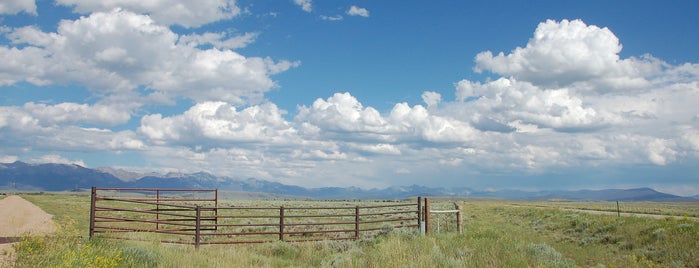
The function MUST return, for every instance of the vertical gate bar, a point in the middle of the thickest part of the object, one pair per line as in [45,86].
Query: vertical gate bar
[197,228]
[157,209]
[216,212]
[93,199]
[281,223]
[356,222]
[427,215]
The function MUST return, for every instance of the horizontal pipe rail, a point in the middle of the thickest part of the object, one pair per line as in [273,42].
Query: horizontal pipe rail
[111,209]
[156,189]
[143,202]
[444,211]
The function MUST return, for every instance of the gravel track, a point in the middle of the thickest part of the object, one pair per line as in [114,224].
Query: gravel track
[19,217]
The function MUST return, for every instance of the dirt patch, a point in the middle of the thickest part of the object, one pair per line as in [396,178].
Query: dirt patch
[20,218]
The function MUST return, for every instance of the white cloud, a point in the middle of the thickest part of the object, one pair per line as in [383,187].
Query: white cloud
[119,51]
[569,52]
[342,114]
[42,127]
[168,12]
[306,5]
[509,102]
[57,159]
[218,40]
[219,123]
[358,11]
[660,151]
[8,158]
[379,148]
[431,98]
[17,6]
[331,18]
[65,113]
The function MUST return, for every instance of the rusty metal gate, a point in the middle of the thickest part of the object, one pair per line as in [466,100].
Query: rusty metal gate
[195,216]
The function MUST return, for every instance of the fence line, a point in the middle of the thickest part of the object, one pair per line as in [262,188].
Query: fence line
[194,216]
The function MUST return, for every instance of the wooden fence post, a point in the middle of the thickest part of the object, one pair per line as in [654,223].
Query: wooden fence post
[93,199]
[281,223]
[427,215]
[197,228]
[618,211]
[459,218]
[356,222]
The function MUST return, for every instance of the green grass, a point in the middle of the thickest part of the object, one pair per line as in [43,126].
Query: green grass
[495,235]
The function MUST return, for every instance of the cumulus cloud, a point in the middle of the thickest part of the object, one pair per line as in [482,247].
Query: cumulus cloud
[46,127]
[509,101]
[219,123]
[17,6]
[119,51]
[568,99]
[343,114]
[660,151]
[306,5]
[358,11]
[568,52]
[168,12]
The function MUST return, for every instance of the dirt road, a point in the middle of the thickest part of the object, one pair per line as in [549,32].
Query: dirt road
[611,213]
[19,217]
[626,214]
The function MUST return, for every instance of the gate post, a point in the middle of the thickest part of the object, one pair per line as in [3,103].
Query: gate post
[93,199]
[459,218]
[197,228]
[356,222]
[281,223]
[427,215]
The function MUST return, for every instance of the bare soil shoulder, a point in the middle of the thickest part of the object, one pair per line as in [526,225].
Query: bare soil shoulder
[19,217]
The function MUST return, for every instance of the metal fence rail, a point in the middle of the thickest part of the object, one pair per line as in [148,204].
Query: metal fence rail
[195,216]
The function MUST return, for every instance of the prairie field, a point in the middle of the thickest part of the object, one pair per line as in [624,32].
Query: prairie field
[496,233]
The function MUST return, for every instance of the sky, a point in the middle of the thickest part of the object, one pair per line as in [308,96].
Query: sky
[530,95]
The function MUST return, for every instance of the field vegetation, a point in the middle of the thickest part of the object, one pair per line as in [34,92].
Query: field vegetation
[497,233]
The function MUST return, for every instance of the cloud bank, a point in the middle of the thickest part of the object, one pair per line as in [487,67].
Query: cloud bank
[566,101]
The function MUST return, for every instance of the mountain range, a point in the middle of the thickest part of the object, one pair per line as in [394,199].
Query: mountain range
[64,177]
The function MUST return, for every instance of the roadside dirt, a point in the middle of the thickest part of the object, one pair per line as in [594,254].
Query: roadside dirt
[19,217]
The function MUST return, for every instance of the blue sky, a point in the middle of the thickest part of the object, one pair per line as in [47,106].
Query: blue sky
[482,94]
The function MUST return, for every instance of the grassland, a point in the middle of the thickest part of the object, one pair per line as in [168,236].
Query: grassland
[496,234]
